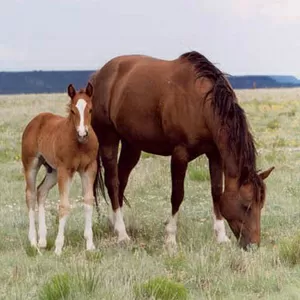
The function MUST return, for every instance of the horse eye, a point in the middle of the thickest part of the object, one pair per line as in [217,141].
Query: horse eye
[246,208]
[72,111]
[90,111]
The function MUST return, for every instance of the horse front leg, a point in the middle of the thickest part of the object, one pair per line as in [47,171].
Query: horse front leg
[179,163]
[216,179]
[64,184]
[87,180]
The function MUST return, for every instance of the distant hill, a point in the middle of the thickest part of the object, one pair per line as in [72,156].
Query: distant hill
[286,79]
[41,81]
[36,82]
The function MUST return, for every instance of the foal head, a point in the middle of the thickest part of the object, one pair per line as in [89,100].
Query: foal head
[80,110]
[242,209]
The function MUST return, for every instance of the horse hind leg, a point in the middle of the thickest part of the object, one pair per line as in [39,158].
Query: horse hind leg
[179,163]
[43,189]
[31,168]
[129,157]
[109,156]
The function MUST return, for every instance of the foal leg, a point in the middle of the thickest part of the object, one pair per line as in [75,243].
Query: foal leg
[30,170]
[87,180]
[64,184]
[42,192]
[109,156]
[216,178]
[179,163]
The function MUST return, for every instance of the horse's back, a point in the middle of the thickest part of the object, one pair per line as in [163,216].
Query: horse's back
[148,101]
[39,130]
[41,123]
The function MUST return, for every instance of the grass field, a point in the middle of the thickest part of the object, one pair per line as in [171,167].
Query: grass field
[202,269]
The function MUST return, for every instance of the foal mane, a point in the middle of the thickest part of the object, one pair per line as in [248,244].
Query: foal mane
[240,140]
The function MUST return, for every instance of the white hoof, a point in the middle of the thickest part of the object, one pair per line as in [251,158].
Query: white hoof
[33,243]
[223,239]
[58,251]
[90,246]
[171,245]
[123,238]
[42,244]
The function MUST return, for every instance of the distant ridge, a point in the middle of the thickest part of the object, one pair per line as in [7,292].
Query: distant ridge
[38,82]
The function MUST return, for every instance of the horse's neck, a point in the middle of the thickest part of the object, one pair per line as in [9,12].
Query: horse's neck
[231,183]
[68,127]
[231,171]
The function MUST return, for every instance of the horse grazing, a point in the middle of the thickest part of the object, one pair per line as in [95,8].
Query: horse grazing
[183,108]
[64,146]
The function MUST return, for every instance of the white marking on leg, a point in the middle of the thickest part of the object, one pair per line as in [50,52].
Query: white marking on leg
[88,232]
[110,217]
[31,200]
[49,181]
[119,226]
[42,227]
[171,230]
[32,231]
[81,129]
[59,242]
[219,228]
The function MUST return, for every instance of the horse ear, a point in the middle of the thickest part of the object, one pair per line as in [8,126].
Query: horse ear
[71,91]
[89,89]
[263,175]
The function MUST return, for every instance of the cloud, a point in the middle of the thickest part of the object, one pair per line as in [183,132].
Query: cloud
[278,11]
[11,54]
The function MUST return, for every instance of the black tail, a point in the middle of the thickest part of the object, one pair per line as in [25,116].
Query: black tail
[99,185]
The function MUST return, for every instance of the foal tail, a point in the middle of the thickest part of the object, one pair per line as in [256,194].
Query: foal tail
[99,187]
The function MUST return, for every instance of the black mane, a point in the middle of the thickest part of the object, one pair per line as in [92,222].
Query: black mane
[240,140]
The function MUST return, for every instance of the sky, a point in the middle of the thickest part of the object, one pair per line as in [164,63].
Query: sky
[239,36]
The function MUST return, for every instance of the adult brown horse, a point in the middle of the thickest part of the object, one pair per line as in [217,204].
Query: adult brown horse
[64,146]
[183,108]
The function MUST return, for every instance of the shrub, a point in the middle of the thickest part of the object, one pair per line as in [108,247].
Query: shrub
[161,288]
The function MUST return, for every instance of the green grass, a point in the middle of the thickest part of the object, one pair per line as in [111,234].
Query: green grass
[201,269]
[161,288]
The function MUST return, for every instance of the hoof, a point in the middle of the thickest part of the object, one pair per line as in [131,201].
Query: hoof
[124,239]
[42,244]
[171,245]
[223,239]
[33,243]
[57,251]
[90,247]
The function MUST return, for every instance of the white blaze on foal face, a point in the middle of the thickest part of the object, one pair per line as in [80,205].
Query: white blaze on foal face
[82,129]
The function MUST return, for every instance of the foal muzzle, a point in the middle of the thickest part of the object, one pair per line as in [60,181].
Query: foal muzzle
[82,136]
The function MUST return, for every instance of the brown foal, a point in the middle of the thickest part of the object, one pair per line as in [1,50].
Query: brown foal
[64,146]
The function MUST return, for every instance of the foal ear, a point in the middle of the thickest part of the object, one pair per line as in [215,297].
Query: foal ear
[263,175]
[71,91]
[89,89]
